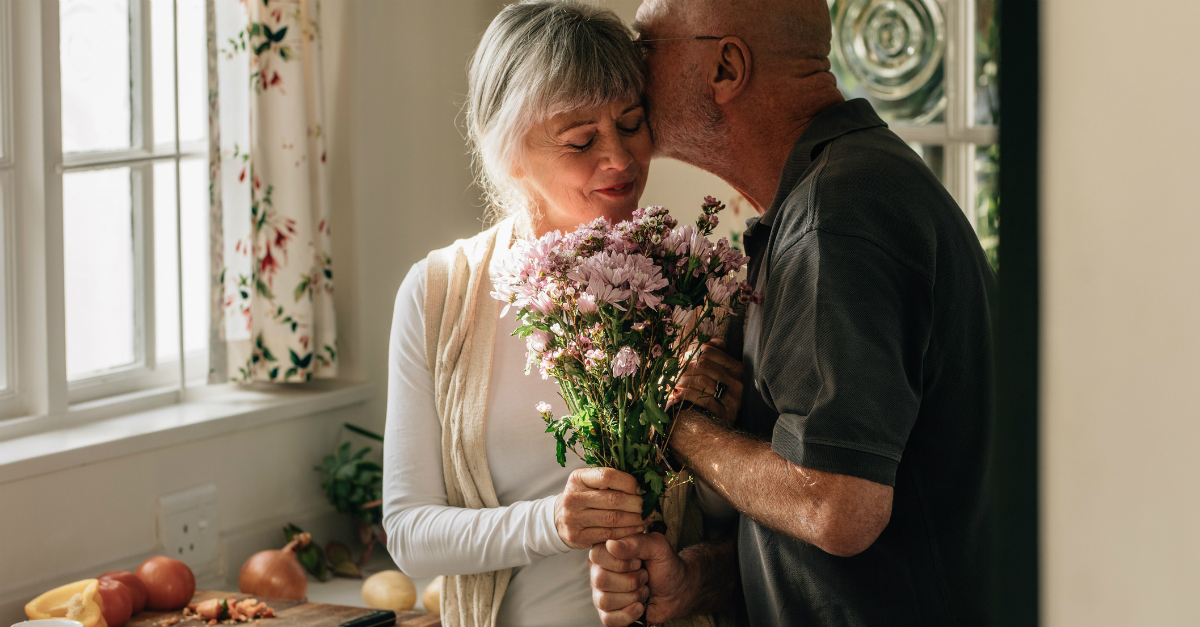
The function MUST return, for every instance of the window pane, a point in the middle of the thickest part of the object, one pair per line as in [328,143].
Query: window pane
[195,258]
[193,72]
[987,60]
[987,170]
[934,156]
[166,264]
[892,54]
[162,67]
[96,92]
[99,286]
[196,267]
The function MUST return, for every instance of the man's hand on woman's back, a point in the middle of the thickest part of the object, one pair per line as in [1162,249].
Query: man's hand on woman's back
[598,504]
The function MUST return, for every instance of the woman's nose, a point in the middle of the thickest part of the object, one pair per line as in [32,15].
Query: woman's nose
[617,156]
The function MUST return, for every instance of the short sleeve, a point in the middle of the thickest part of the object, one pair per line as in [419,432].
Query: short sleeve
[845,330]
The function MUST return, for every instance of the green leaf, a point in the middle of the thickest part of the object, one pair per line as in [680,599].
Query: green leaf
[343,452]
[302,287]
[560,452]
[301,362]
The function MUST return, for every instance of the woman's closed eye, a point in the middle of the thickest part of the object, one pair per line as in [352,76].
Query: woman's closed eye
[577,144]
[634,128]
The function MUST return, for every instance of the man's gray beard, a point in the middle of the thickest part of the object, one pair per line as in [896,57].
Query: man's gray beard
[694,133]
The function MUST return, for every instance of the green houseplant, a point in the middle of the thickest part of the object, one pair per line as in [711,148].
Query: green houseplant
[354,485]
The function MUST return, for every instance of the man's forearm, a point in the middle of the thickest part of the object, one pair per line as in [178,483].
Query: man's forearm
[834,512]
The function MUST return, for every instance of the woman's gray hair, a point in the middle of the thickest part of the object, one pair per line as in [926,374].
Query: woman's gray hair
[540,58]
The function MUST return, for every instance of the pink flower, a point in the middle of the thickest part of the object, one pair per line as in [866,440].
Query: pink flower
[682,317]
[626,362]
[539,341]
[586,304]
[719,290]
[608,294]
[657,351]
[543,304]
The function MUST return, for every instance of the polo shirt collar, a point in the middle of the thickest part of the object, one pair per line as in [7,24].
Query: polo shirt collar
[838,120]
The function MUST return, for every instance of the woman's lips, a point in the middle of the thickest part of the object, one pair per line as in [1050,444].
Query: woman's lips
[617,191]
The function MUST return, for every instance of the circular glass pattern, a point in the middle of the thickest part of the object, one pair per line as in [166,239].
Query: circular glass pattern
[893,47]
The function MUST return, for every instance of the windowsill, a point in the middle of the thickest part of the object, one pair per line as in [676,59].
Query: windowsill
[226,409]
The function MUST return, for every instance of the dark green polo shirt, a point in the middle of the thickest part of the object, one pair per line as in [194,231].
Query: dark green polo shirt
[871,356]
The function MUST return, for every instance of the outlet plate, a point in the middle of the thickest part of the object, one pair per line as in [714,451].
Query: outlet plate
[188,529]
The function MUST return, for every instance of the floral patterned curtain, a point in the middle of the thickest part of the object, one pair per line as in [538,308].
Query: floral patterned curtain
[272,296]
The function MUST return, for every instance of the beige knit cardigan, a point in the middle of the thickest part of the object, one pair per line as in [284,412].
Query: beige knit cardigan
[460,331]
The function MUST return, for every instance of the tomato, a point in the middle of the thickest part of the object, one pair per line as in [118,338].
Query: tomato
[169,583]
[117,602]
[137,590]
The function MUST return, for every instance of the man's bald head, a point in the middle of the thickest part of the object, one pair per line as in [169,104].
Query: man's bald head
[776,30]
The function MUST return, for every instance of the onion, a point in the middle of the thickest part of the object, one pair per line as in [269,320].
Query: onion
[276,573]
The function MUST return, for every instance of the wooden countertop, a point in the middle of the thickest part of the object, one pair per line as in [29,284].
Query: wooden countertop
[287,614]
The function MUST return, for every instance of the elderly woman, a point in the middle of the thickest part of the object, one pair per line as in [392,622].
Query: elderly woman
[472,489]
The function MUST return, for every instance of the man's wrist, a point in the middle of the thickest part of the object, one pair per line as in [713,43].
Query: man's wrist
[693,421]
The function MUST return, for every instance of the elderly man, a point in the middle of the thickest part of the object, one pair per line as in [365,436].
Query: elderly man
[857,455]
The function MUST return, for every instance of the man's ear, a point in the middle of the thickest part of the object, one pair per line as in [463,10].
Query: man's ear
[732,73]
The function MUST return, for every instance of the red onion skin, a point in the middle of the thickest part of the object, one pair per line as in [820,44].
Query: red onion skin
[275,574]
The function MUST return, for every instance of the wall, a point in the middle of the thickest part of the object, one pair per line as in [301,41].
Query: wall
[79,522]
[1120,292]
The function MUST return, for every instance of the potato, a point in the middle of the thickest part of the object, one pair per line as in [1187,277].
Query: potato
[389,590]
[432,598]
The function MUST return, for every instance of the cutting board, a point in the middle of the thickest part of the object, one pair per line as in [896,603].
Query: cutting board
[287,614]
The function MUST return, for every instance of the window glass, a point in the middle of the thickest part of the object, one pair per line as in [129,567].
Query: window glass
[987,221]
[96,93]
[99,271]
[162,69]
[892,53]
[193,72]
[987,63]
[166,264]
[194,172]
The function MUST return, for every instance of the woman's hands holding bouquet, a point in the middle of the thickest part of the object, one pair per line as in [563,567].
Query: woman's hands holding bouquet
[598,504]
[713,381]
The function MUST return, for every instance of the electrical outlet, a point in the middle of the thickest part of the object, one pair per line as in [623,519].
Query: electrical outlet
[188,529]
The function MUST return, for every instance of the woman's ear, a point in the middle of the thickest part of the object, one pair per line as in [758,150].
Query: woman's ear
[732,72]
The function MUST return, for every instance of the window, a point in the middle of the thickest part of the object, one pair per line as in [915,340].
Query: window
[929,68]
[127,309]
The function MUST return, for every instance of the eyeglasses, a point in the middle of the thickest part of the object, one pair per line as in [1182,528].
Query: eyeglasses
[646,41]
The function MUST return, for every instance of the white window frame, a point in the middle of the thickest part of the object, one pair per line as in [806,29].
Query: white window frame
[959,134]
[40,397]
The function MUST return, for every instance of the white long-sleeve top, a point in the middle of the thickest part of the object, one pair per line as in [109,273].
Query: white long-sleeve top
[425,535]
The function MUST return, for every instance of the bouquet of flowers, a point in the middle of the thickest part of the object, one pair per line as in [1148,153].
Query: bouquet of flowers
[615,314]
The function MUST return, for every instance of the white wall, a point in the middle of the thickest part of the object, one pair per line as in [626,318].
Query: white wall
[1121,295]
